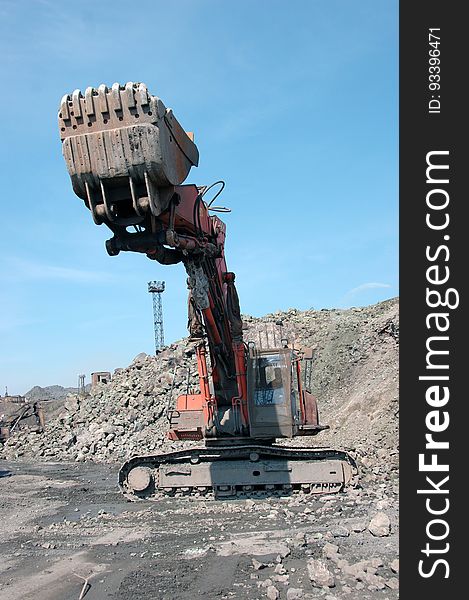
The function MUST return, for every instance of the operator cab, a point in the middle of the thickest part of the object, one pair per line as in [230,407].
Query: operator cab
[280,402]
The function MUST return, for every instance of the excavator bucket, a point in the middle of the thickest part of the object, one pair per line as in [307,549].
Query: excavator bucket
[124,151]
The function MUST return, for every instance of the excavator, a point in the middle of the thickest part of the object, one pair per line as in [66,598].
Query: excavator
[24,414]
[128,157]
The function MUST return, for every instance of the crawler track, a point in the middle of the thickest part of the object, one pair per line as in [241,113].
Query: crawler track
[237,471]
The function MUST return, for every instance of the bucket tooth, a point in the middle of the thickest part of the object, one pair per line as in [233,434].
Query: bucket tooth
[102,99]
[89,101]
[76,97]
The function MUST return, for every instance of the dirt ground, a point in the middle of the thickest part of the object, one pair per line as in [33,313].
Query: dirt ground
[62,522]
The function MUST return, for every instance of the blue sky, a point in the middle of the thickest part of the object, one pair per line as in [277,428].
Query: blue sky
[293,104]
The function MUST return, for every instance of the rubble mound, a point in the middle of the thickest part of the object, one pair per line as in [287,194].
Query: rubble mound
[356,383]
[356,368]
[50,393]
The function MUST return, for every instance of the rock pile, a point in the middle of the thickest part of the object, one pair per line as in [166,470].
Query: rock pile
[356,378]
[117,419]
[356,374]
[49,393]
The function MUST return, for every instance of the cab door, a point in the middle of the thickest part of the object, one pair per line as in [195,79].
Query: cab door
[269,393]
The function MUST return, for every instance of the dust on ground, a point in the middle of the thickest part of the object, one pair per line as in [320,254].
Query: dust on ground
[64,521]
[68,520]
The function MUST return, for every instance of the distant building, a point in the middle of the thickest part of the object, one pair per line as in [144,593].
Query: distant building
[14,399]
[100,377]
